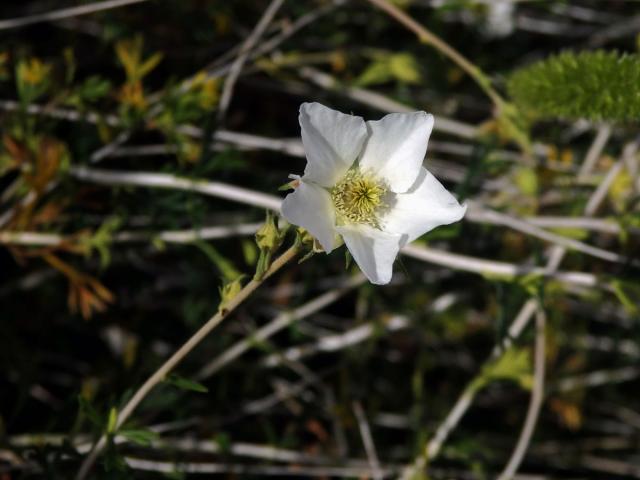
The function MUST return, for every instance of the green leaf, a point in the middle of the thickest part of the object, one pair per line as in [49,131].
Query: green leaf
[101,240]
[405,68]
[514,365]
[532,283]
[223,440]
[376,73]
[143,437]
[623,297]
[151,63]
[526,179]
[33,79]
[227,269]
[113,420]
[386,66]
[94,88]
[250,252]
[571,232]
[185,383]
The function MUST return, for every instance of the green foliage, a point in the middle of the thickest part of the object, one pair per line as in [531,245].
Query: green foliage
[628,222]
[600,85]
[223,441]
[142,437]
[32,79]
[575,233]
[88,92]
[185,384]
[249,252]
[385,67]
[268,238]
[101,240]
[225,266]
[130,55]
[228,292]
[113,420]
[625,293]
[514,365]
[114,463]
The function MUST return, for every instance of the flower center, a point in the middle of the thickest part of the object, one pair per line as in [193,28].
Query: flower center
[358,198]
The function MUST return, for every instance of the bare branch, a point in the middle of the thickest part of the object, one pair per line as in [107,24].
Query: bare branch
[537,397]
[277,324]
[516,328]
[236,67]
[65,13]
[367,440]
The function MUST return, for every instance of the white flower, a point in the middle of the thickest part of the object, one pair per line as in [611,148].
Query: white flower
[366,183]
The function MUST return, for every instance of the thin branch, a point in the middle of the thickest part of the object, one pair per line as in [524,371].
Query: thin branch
[493,267]
[340,341]
[585,223]
[160,374]
[37,239]
[236,67]
[557,253]
[269,45]
[161,180]
[65,13]
[428,37]
[626,27]
[597,378]
[109,148]
[269,470]
[595,151]
[537,397]
[277,324]
[609,466]
[435,256]
[515,329]
[481,214]
[367,440]
[251,197]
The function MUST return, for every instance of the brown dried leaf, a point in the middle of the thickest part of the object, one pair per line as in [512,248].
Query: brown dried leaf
[87,294]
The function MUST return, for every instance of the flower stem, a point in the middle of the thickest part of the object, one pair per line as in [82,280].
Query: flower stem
[426,36]
[160,374]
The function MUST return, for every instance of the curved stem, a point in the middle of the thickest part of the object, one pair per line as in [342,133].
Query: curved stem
[428,37]
[160,374]
[537,396]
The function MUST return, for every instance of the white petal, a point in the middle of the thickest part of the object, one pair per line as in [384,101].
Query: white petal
[396,147]
[424,207]
[310,207]
[373,250]
[332,142]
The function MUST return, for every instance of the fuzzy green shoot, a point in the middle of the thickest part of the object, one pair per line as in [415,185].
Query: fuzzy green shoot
[600,85]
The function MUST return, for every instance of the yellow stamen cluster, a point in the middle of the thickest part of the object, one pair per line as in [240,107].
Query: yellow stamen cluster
[358,198]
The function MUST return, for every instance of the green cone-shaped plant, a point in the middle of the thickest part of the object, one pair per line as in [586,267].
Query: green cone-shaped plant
[599,85]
